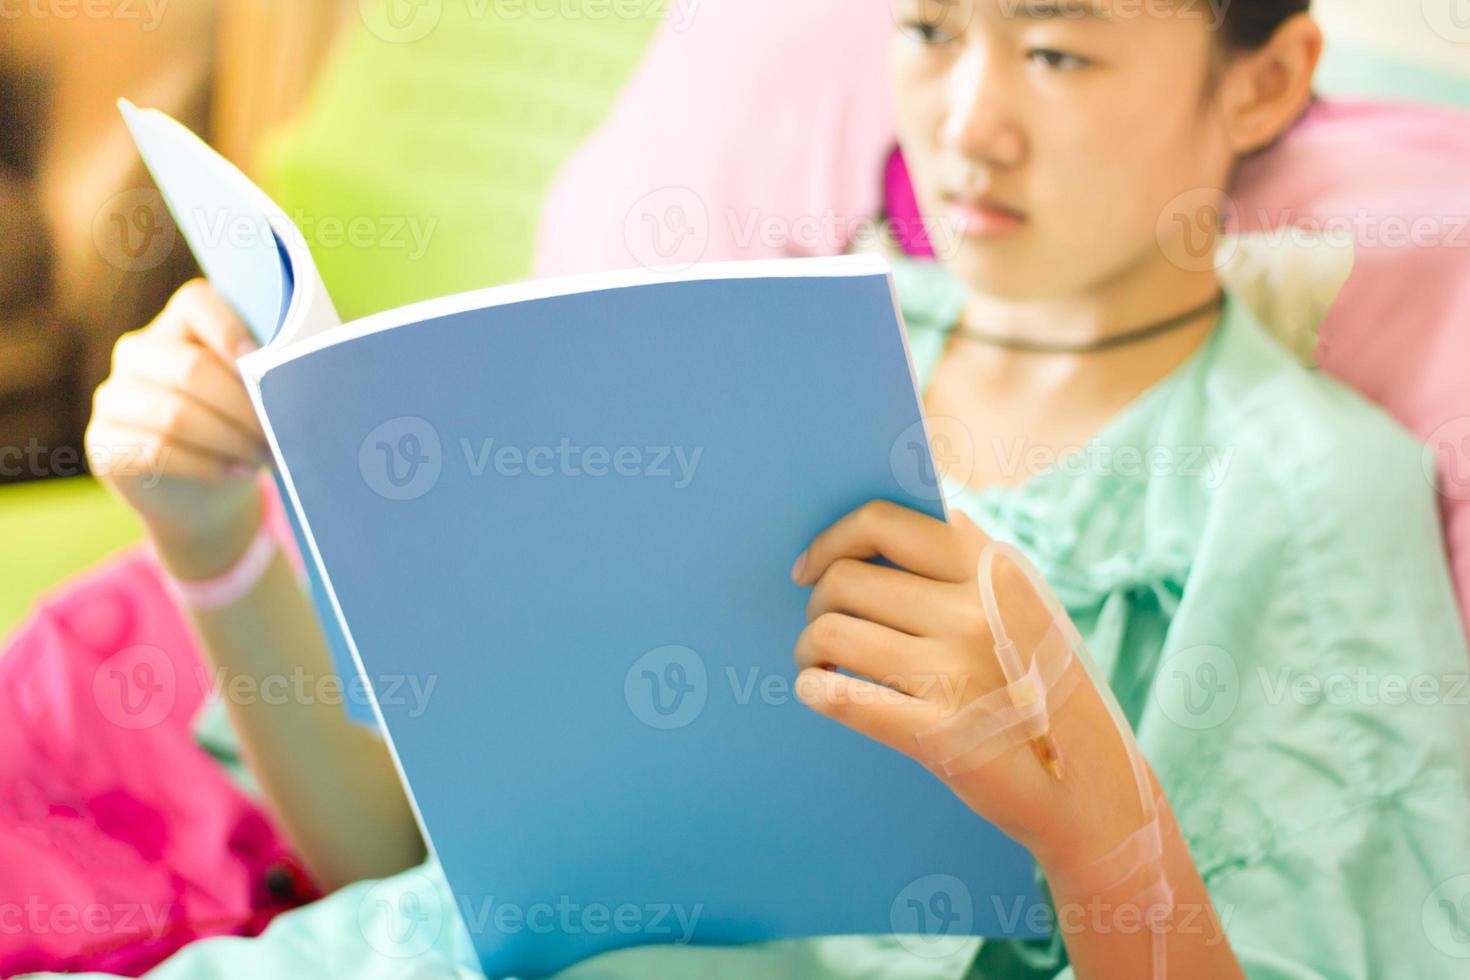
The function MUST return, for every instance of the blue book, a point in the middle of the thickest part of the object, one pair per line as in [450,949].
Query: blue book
[554,523]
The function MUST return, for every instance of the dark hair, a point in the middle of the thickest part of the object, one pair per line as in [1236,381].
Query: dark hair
[1250,23]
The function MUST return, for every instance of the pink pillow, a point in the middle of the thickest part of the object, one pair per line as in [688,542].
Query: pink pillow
[1399,332]
[755,129]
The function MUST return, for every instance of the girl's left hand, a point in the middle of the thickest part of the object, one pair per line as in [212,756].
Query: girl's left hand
[917,639]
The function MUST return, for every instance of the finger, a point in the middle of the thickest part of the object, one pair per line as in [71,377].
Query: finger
[190,369]
[882,529]
[882,655]
[197,312]
[176,418]
[119,450]
[894,598]
[884,715]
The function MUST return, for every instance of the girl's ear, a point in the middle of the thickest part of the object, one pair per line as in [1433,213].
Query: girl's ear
[1264,91]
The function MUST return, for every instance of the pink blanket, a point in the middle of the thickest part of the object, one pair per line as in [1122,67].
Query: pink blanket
[120,838]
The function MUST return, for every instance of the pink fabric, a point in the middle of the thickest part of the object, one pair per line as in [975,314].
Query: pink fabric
[902,208]
[901,205]
[120,839]
[755,129]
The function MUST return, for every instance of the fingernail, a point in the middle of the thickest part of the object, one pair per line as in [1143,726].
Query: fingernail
[240,469]
[246,346]
[799,568]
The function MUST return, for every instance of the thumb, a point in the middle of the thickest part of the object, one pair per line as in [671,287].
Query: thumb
[200,314]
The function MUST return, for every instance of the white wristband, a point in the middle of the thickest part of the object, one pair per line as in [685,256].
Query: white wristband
[235,582]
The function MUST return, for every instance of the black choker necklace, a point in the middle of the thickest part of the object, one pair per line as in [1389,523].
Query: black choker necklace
[1090,347]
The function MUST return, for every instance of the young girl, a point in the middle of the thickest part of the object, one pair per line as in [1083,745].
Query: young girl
[1250,551]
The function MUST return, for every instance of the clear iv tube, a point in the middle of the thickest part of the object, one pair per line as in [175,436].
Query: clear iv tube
[1014,670]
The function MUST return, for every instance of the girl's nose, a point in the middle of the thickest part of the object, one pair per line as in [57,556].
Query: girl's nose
[981,123]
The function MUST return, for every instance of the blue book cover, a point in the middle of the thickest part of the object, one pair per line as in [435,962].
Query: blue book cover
[555,522]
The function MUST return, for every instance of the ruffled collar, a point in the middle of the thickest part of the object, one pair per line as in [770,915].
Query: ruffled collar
[1085,520]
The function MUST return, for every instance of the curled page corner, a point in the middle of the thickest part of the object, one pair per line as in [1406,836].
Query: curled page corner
[212,202]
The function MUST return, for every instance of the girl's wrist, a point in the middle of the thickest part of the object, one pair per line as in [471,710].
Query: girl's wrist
[1117,867]
[206,552]
[1082,855]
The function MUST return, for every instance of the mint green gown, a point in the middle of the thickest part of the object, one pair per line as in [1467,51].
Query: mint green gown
[1253,556]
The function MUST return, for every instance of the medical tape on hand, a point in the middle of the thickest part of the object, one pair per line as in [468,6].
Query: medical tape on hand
[1133,872]
[1013,715]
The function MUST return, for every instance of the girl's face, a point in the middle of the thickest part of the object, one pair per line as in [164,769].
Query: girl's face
[1060,145]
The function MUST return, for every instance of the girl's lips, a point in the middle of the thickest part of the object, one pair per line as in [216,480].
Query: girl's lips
[982,221]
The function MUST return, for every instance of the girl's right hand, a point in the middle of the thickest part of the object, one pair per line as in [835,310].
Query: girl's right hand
[173,432]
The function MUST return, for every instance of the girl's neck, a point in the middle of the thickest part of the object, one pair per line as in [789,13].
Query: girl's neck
[1113,310]
[1110,310]
[1056,402]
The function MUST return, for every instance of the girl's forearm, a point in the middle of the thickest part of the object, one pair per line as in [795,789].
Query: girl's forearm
[330,783]
[1109,937]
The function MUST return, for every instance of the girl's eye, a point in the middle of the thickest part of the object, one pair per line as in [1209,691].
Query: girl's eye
[933,21]
[1056,60]
[928,31]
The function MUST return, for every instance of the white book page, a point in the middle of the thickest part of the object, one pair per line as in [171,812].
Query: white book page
[308,340]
